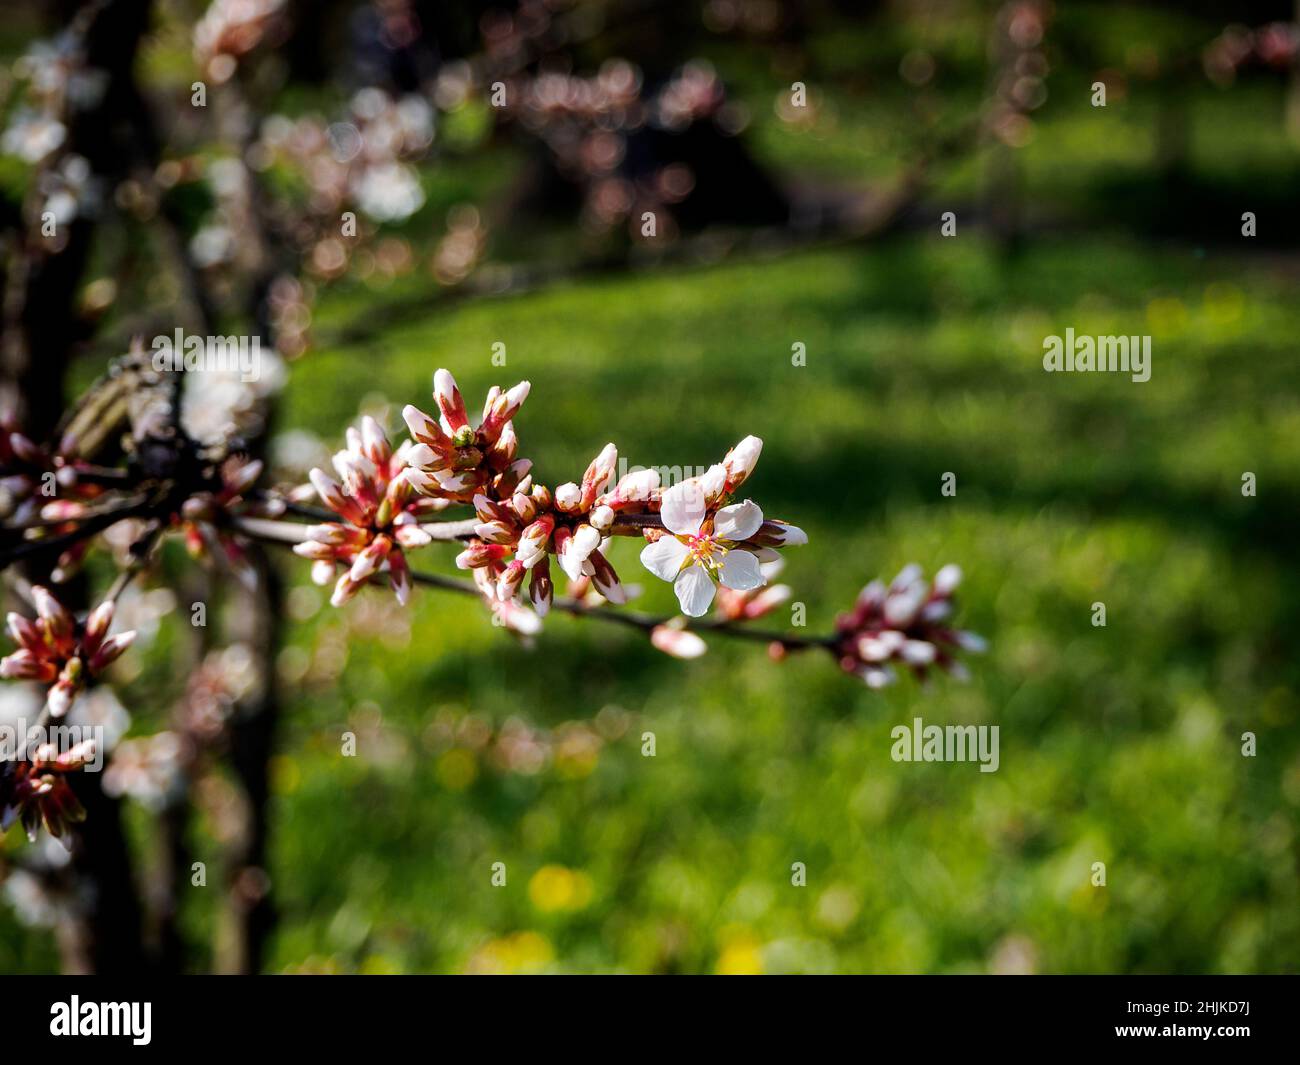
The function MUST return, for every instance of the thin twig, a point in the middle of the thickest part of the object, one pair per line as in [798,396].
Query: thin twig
[274,532]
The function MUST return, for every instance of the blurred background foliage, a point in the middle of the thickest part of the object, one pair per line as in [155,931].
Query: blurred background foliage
[1119,744]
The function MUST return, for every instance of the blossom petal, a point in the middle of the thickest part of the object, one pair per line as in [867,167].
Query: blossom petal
[740,570]
[677,642]
[682,508]
[694,588]
[738,522]
[664,557]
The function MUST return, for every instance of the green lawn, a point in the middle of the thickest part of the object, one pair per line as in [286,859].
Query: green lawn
[1119,744]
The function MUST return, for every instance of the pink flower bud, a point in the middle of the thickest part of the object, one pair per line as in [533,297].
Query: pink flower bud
[240,478]
[374,444]
[490,510]
[411,536]
[639,486]
[449,400]
[503,451]
[477,554]
[524,508]
[576,549]
[540,589]
[501,407]
[109,651]
[25,633]
[24,665]
[421,456]
[333,533]
[512,478]
[605,579]
[425,430]
[596,480]
[532,543]
[947,579]
[97,625]
[568,497]
[344,590]
[58,622]
[765,600]
[510,580]
[331,494]
[677,642]
[740,461]
[399,577]
[496,532]
[58,699]
[370,559]
[314,549]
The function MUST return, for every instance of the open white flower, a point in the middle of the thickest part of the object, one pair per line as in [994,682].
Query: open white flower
[703,548]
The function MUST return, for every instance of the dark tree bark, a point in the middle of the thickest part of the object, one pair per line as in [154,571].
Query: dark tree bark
[41,332]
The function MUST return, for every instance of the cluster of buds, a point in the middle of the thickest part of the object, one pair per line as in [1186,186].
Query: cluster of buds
[903,624]
[573,524]
[380,514]
[30,475]
[36,790]
[53,649]
[29,478]
[522,523]
[202,518]
[454,461]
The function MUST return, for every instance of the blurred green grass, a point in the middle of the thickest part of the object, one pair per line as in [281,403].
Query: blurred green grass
[1119,744]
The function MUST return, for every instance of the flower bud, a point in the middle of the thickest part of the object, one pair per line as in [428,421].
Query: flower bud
[424,429]
[532,544]
[370,558]
[524,507]
[638,486]
[512,478]
[374,444]
[399,577]
[606,579]
[596,480]
[540,589]
[502,453]
[477,555]
[411,536]
[495,532]
[740,461]
[449,400]
[510,580]
[677,642]
[109,651]
[568,497]
[58,622]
